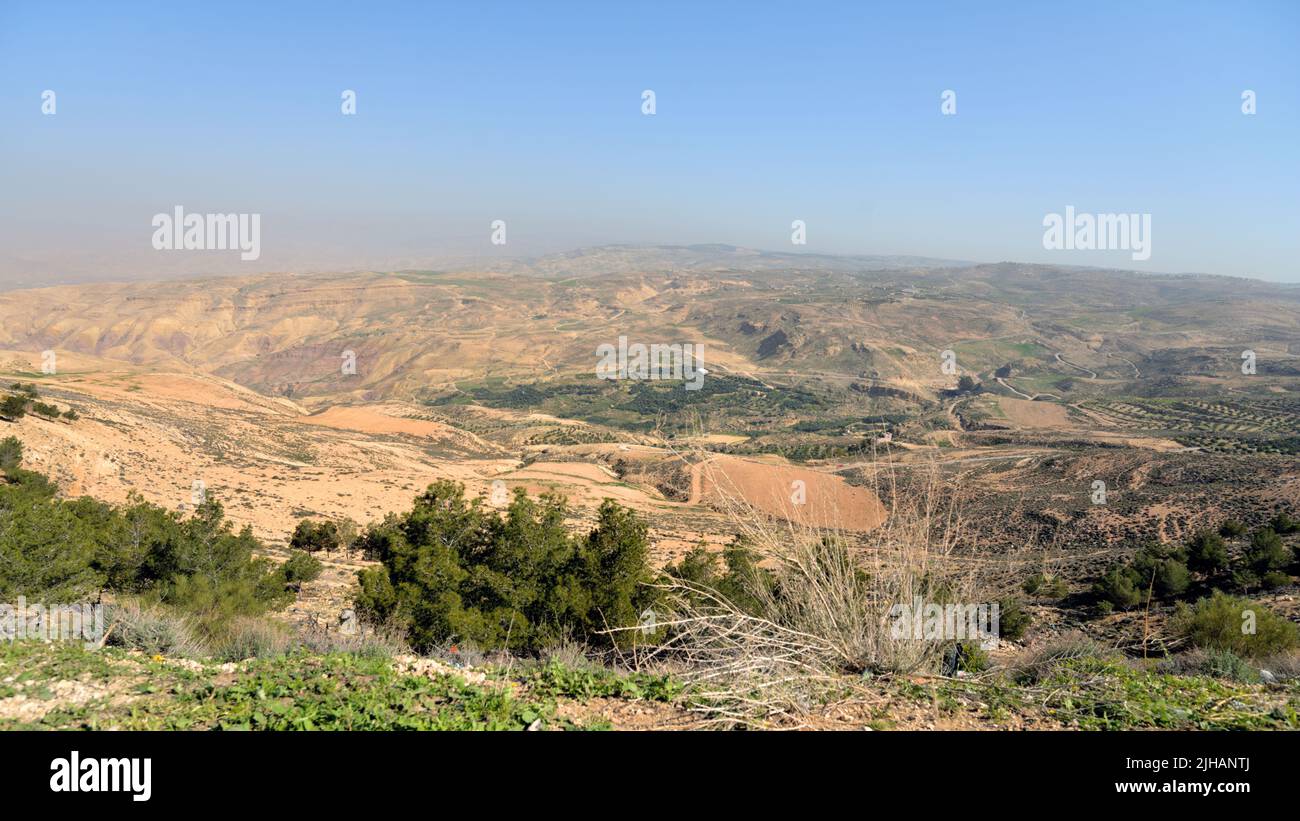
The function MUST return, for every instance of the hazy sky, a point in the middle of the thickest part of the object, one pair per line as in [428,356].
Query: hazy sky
[532,113]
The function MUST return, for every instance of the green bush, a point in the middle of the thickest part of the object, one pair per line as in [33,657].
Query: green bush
[740,583]
[11,453]
[47,552]
[1012,619]
[1274,579]
[1162,568]
[1171,577]
[301,567]
[1158,568]
[1241,626]
[1207,553]
[1047,587]
[29,483]
[1267,552]
[453,570]
[14,406]
[313,536]
[1232,529]
[1119,587]
[1035,664]
[376,600]
[61,550]
[1283,523]
[1245,579]
[971,658]
[46,410]
[201,565]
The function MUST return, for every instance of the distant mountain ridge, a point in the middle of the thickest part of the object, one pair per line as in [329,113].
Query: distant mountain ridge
[635,258]
[418,334]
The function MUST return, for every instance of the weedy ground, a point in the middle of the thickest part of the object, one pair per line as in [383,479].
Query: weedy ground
[67,686]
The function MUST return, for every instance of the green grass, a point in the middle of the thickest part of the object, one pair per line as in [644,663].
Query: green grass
[1096,694]
[985,354]
[555,680]
[28,666]
[341,691]
[1102,695]
[299,691]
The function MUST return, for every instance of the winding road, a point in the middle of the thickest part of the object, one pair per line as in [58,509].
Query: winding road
[1091,373]
[1004,383]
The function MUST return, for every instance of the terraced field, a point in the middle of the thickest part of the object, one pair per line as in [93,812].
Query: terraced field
[1279,416]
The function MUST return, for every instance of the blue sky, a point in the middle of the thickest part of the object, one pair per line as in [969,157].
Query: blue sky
[531,113]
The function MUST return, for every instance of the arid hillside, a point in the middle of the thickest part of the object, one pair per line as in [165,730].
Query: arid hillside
[1058,425]
[342,395]
[424,335]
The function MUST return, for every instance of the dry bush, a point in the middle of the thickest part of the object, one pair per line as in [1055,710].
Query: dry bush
[823,613]
[372,643]
[1037,662]
[1222,664]
[161,630]
[248,637]
[155,630]
[466,654]
[571,654]
[1284,667]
